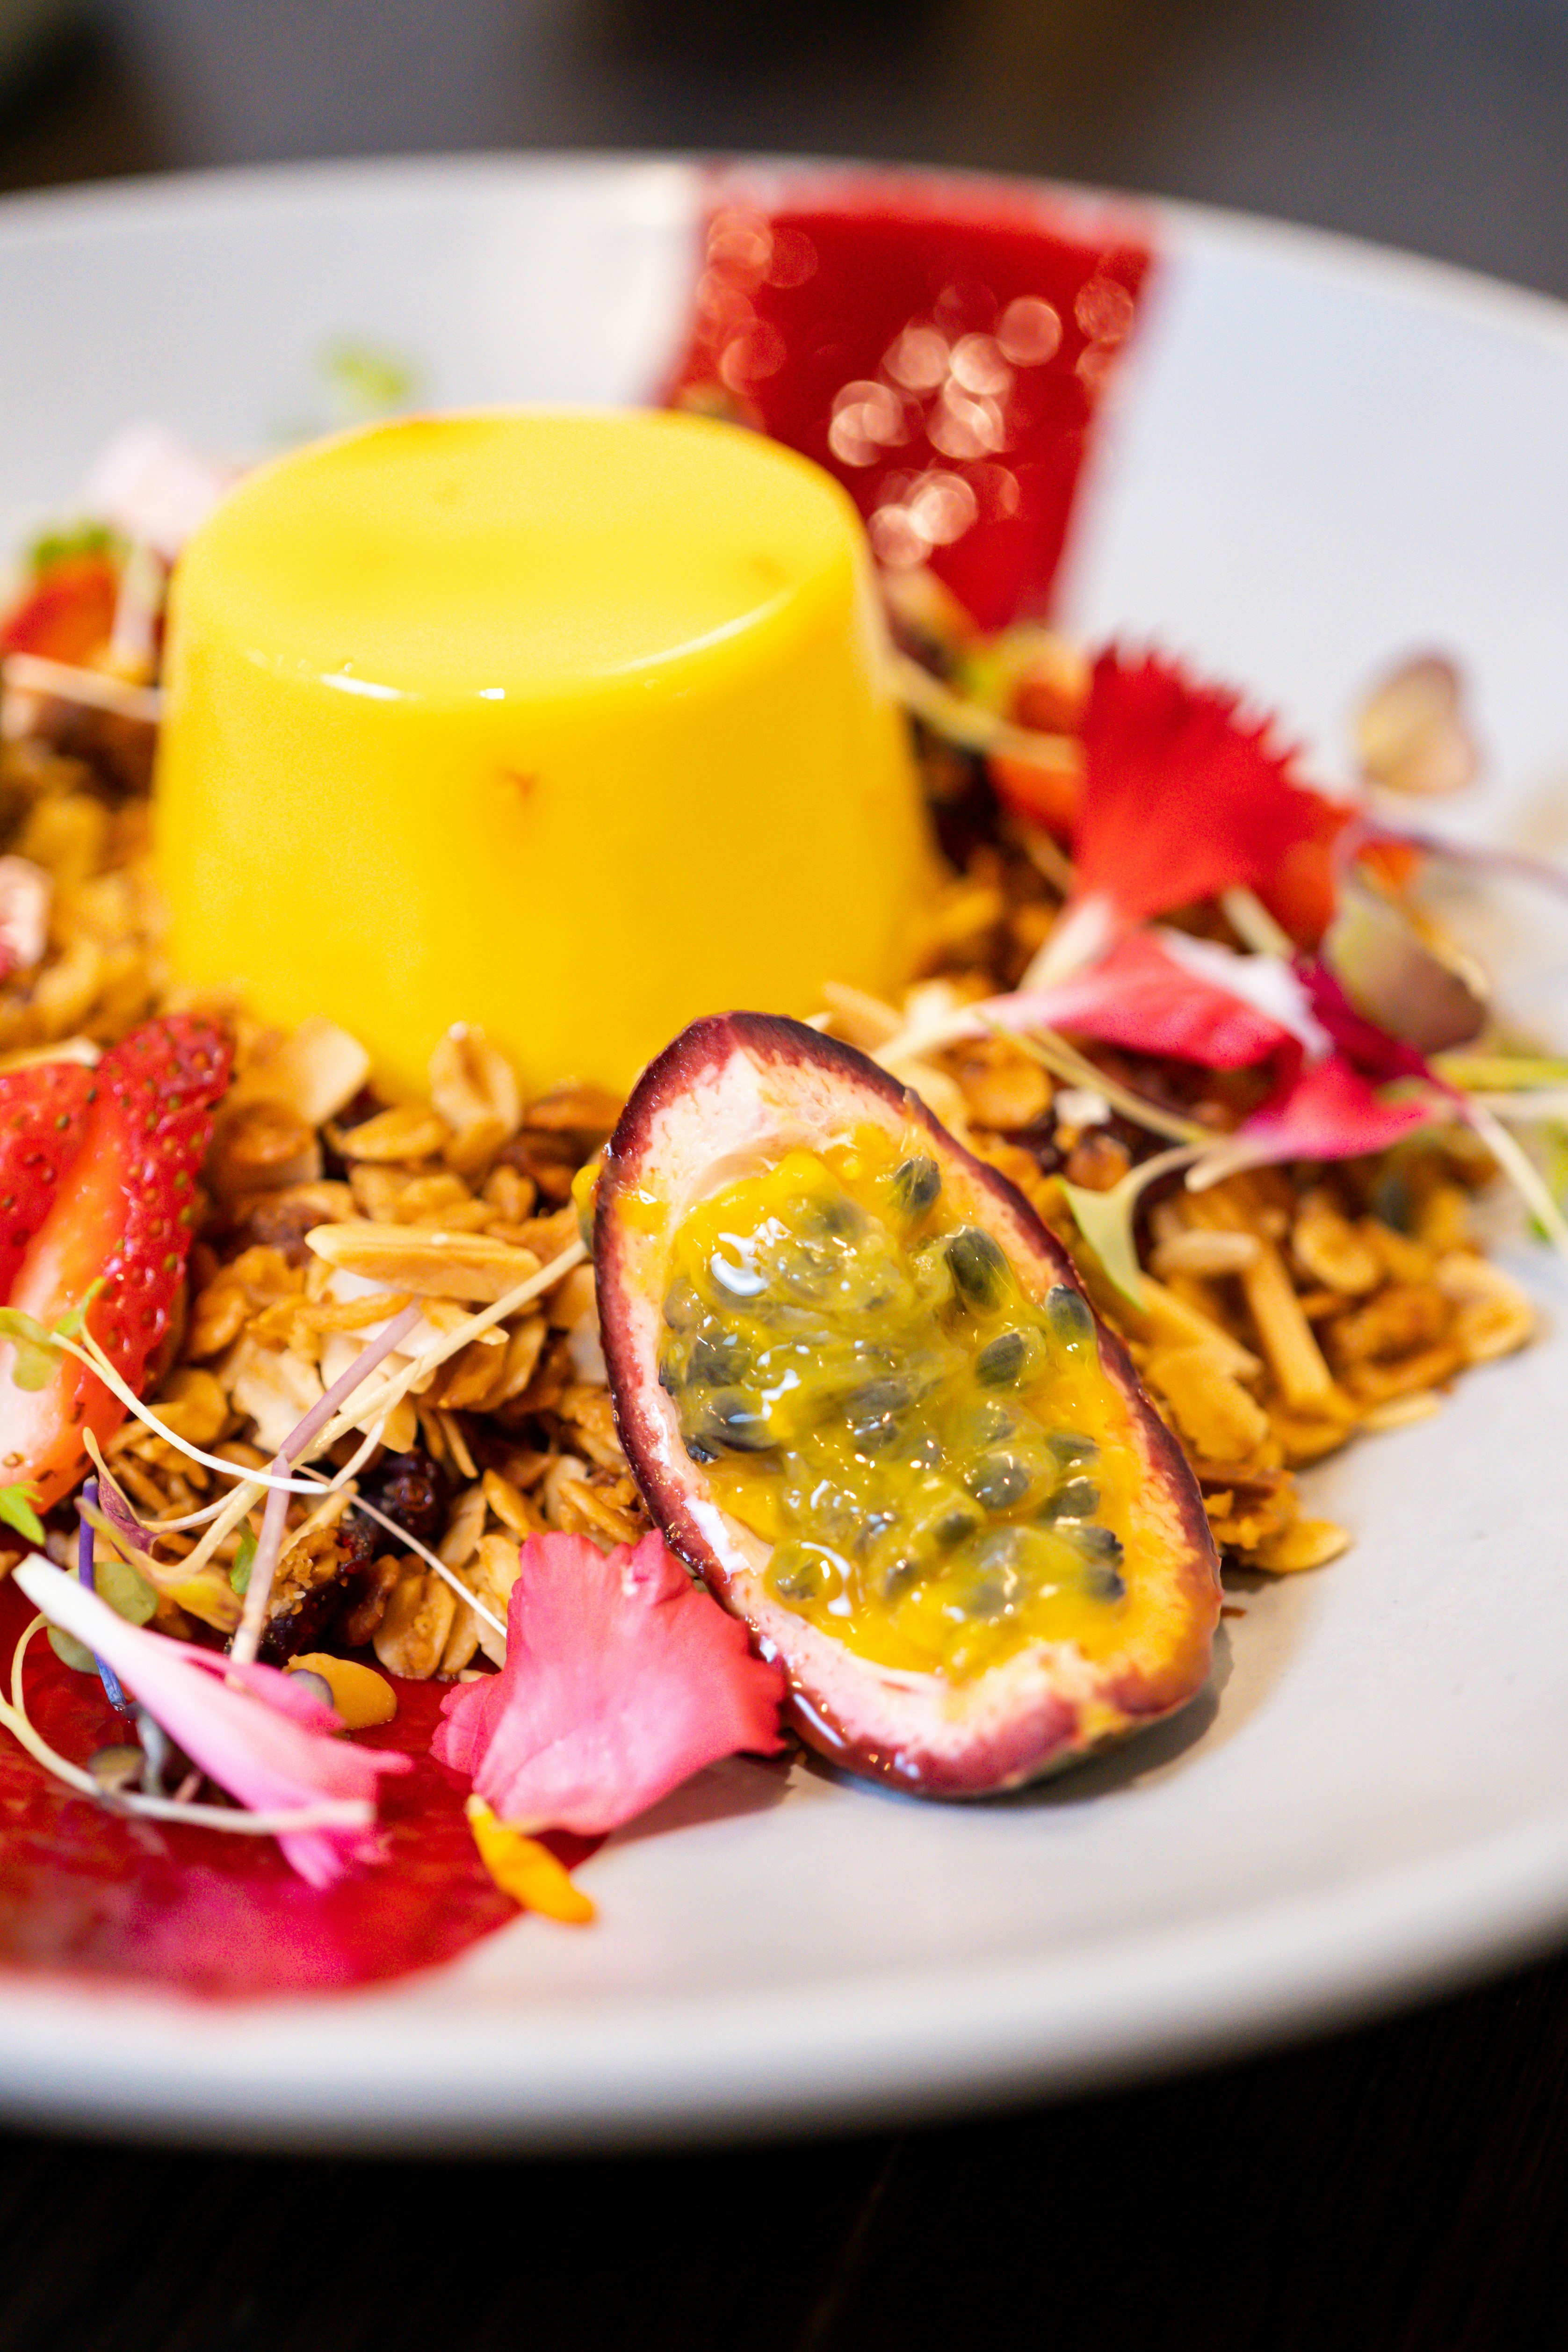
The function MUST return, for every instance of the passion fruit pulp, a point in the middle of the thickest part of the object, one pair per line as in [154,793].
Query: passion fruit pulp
[866,1401]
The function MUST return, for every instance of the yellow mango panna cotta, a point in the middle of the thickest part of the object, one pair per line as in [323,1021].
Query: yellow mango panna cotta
[569,725]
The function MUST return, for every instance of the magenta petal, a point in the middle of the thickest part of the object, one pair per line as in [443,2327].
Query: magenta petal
[622,1678]
[1330,1112]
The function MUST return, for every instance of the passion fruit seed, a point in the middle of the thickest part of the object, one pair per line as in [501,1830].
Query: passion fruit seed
[1005,1361]
[979,1268]
[1071,1447]
[871,1407]
[1071,1324]
[1078,1498]
[717,1361]
[915,1186]
[737,1420]
[998,1482]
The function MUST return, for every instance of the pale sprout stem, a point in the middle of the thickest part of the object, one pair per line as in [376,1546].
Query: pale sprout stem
[1055,1054]
[1512,1156]
[263,1567]
[1253,924]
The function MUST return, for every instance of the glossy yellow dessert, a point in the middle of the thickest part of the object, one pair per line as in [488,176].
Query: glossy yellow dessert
[568,725]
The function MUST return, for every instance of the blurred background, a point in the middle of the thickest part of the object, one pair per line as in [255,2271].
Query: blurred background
[1435,124]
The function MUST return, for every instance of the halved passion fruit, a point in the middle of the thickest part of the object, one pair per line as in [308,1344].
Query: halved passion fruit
[866,1399]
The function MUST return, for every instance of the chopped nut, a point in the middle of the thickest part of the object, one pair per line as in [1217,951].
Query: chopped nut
[592,1417]
[273,1389]
[1097,1160]
[193,1406]
[262,1147]
[1002,1087]
[495,1573]
[573,1301]
[586,1111]
[511,1505]
[1206,1253]
[428,1262]
[1331,1249]
[314,1072]
[1492,1314]
[406,1132]
[510,1194]
[1211,1409]
[475,1089]
[417,1622]
[860,1019]
[1400,1412]
[604,1514]
[1307,1543]
[1402,1317]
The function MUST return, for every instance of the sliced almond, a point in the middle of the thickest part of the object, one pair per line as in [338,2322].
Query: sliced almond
[427,1262]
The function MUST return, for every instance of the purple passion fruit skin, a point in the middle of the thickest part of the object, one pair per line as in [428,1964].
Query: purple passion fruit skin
[1119,1645]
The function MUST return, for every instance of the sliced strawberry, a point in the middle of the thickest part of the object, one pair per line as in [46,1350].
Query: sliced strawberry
[67,612]
[125,1217]
[43,1116]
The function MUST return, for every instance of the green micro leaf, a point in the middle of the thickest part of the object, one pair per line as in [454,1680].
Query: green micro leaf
[70,1323]
[239,1574]
[1105,1222]
[37,1358]
[17,1510]
[71,1652]
[126,1590]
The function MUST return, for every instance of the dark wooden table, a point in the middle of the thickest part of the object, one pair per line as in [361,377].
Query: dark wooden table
[1403,2186]
[1402,2189]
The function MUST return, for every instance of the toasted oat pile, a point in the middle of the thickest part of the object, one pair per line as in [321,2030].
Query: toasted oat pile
[1284,1309]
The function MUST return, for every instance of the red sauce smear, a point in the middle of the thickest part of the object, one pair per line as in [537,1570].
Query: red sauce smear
[941,348]
[100,1894]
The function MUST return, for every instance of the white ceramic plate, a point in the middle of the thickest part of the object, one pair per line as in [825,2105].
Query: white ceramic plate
[1324,457]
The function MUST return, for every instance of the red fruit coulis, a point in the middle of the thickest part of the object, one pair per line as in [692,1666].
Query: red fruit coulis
[100,1894]
[942,350]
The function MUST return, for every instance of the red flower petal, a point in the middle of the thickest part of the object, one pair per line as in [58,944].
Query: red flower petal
[1181,800]
[622,1678]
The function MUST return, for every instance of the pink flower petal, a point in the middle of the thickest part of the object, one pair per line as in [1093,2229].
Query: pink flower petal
[622,1678]
[274,1752]
[1146,999]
